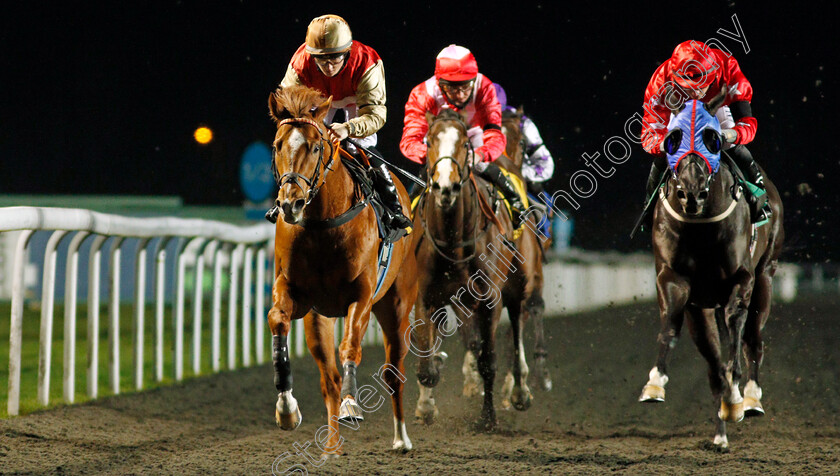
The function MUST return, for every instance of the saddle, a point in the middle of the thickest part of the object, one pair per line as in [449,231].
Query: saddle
[363,178]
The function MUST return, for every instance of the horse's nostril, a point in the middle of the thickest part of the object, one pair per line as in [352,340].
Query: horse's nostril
[456,187]
[435,186]
[298,205]
[680,194]
[703,195]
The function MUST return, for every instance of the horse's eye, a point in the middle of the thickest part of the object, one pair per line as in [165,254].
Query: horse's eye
[712,140]
[672,141]
[316,148]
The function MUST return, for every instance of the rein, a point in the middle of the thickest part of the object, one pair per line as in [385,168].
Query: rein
[736,196]
[466,174]
[313,181]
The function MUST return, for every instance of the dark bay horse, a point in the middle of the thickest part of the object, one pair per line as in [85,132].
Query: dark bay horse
[535,309]
[326,254]
[466,262]
[714,269]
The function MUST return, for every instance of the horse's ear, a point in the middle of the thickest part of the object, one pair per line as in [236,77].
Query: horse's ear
[717,101]
[463,116]
[520,110]
[275,109]
[430,118]
[320,112]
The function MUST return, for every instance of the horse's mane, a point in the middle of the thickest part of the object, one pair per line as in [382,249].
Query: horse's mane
[508,114]
[447,113]
[298,101]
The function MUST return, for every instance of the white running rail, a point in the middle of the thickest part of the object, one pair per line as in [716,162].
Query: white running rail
[244,248]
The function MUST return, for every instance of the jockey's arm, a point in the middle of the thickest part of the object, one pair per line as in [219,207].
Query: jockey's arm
[740,91]
[290,78]
[489,114]
[415,126]
[537,157]
[370,99]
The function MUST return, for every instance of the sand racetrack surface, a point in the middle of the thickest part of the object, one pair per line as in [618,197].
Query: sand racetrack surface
[590,423]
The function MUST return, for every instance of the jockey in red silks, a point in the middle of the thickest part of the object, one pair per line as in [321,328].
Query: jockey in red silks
[458,85]
[696,71]
[352,73]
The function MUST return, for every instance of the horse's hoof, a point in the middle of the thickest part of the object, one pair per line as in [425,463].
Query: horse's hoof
[350,411]
[752,407]
[652,394]
[473,390]
[733,412]
[401,446]
[521,398]
[752,400]
[425,416]
[288,422]
[545,384]
[488,424]
[721,442]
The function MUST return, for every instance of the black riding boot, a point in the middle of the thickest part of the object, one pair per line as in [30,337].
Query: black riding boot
[388,193]
[494,175]
[650,189]
[759,208]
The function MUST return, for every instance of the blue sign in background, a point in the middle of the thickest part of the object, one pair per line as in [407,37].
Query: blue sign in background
[255,172]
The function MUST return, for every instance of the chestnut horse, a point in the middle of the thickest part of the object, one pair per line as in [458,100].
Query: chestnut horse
[326,257]
[466,262]
[714,269]
[515,152]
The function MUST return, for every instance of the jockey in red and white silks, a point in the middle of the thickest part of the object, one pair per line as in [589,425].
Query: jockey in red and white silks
[482,110]
[696,71]
[458,85]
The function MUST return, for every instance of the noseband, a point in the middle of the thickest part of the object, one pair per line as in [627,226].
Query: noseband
[296,178]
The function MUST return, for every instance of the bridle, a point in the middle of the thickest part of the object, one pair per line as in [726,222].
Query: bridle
[295,178]
[735,192]
[465,174]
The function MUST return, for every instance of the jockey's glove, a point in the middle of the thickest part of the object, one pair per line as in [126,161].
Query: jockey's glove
[729,135]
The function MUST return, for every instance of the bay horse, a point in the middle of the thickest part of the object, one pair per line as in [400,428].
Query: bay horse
[466,261]
[326,260]
[714,269]
[535,309]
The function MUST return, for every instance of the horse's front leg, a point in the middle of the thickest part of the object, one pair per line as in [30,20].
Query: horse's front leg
[732,403]
[487,320]
[287,413]
[515,390]
[471,338]
[703,328]
[673,291]
[754,351]
[350,353]
[425,343]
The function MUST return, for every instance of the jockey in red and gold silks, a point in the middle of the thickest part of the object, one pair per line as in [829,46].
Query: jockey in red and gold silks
[331,62]
[696,71]
[458,85]
[357,84]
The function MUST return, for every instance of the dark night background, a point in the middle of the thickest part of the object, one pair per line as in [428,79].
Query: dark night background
[104,99]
